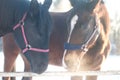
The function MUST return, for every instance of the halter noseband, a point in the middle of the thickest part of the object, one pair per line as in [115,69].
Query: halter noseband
[84,47]
[28,46]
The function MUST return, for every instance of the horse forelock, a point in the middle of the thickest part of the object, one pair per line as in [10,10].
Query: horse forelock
[88,5]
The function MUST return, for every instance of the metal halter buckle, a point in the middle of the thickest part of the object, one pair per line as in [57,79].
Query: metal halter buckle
[21,22]
[28,46]
[84,48]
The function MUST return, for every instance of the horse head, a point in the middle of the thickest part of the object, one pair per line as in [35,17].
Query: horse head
[32,34]
[84,22]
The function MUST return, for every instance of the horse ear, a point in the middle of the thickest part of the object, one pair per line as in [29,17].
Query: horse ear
[92,4]
[47,3]
[34,8]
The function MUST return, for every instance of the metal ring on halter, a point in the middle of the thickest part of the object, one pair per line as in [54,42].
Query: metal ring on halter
[84,48]
[28,46]
[21,23]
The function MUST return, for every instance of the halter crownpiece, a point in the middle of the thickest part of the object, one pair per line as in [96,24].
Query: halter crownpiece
[28,46]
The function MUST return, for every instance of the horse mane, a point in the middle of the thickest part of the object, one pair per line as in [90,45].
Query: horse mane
[8,11]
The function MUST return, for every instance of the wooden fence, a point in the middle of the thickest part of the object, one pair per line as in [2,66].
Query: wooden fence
[65,73]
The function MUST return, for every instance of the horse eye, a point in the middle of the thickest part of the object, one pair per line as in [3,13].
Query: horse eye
[84,26]
[31,14]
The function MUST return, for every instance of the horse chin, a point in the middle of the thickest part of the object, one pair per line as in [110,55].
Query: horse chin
[38,61]
[75,62]
[72,60]
[39,70]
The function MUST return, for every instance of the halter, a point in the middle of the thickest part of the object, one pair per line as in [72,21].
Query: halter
[84,47]
[28,46]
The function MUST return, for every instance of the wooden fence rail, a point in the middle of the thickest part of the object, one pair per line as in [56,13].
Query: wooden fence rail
[82,73]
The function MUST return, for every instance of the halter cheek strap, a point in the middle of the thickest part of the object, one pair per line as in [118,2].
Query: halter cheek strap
[28,46]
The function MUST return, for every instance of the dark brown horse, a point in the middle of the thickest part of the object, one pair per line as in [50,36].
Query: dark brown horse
[88,42]
[84,30]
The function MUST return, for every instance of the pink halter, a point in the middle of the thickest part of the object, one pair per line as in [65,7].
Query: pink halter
[28,46]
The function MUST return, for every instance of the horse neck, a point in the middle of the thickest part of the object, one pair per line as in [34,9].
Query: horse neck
[20,8]
[11,11]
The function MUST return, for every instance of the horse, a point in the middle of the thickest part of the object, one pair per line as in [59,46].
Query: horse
[88,42]
[30,23]
[79,40]
[57,39]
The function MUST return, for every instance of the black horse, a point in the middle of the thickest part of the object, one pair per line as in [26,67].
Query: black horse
[30,23]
